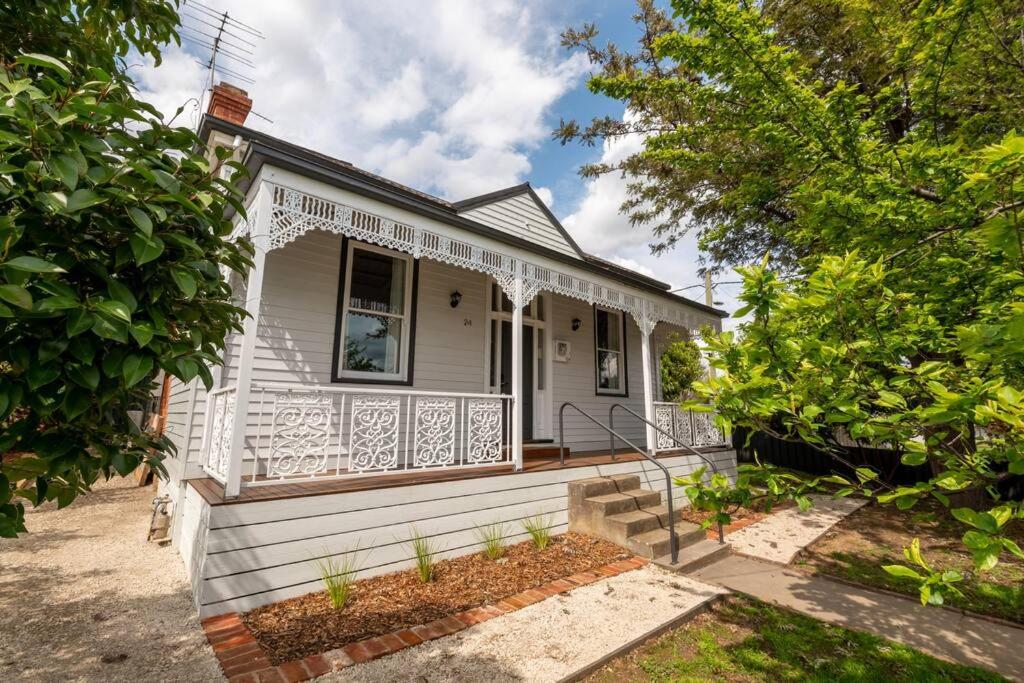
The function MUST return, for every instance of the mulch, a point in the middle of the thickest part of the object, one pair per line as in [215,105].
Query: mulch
[309,625]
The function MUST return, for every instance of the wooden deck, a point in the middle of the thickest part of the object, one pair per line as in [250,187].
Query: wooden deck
[212,491]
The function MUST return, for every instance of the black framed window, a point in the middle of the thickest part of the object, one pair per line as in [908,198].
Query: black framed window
[610,352]
[376,320]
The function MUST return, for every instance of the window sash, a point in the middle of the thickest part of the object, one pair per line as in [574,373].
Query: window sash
[615,329]
[402,360]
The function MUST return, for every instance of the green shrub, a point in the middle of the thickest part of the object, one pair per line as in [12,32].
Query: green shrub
[539,529]
[338,575]
[492,538]
[425,550]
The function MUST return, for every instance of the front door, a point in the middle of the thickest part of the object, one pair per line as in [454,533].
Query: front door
[526,368]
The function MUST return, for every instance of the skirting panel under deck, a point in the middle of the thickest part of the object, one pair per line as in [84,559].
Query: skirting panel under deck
[256,553]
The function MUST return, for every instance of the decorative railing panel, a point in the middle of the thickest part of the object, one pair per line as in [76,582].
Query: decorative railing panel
[220,416]
[688,427]
[301,431]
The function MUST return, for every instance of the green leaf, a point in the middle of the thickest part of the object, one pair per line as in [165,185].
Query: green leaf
[83,199]
[135,368]
[141,220]
[39,375]
[123,294]
[141,332]
[66,168]
[79,321]
[76,402]
[51,348]
[902,572]
[185,280]
[31,264]
[46,62]
[865,475]
[988,557]
[114,309]
[19,296]
[57,303]
[86,375]
[145,249]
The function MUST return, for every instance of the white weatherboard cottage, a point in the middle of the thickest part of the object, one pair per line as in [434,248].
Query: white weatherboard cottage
[408,362]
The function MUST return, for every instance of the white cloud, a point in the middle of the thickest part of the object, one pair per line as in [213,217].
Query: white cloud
[448,96]
[545,195]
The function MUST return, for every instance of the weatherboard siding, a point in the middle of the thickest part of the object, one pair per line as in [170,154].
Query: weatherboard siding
[520,216]
[257,553]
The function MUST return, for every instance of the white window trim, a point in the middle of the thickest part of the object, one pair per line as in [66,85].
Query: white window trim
[621,352]
[403,359]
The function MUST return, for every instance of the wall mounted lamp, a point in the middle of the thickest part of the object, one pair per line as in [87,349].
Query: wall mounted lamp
[456,298]
[576,324]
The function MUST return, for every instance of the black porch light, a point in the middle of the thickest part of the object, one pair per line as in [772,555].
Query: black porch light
[456,298]
[576,324]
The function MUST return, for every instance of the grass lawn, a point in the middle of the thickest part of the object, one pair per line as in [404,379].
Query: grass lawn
[857,547]
[740,639]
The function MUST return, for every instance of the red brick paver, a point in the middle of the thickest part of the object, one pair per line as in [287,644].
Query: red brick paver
[243,660]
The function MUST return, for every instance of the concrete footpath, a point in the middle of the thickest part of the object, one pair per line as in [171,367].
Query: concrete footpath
[943,633]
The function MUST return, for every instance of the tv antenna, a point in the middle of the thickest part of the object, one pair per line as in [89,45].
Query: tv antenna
[232,45]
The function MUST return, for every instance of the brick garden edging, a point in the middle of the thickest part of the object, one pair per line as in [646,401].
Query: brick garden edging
[243,660]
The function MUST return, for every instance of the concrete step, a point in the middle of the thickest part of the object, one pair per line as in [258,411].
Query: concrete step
[655,543]
[626,524]
[598,486]
[695,556]
[614,503]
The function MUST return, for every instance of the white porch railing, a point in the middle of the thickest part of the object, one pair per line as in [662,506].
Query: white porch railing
[216,448]
[306,431]
[691,428]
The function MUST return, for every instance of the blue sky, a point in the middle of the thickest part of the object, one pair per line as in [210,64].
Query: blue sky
[453,97]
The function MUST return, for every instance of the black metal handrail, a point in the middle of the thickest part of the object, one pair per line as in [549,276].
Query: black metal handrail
[673,540]
[611,437]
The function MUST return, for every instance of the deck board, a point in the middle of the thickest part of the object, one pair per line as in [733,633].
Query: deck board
[212,491]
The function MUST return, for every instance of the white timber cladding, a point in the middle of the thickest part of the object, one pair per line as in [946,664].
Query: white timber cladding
[262,552]
[298,309]
[520,216]
[299,204]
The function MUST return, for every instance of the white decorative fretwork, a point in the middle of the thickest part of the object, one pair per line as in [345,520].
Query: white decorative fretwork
[293,213]
[688,427]
[373,434]
[222,419]
[299,433]
[435,432]
[485,430]
[705,432]
[664,418]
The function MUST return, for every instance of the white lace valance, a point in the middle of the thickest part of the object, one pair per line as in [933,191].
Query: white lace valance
[294,213]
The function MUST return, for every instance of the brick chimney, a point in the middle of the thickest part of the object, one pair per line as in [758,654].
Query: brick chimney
[230,103]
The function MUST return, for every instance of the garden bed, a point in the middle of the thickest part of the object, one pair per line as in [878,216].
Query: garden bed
[857,547]
[379,605]
[741,518]
[740,639]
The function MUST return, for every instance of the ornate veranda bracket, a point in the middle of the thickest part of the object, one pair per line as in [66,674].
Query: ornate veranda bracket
[294,213]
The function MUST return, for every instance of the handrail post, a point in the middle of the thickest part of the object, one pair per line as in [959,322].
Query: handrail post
[611,427]
[673,540]
[561,436]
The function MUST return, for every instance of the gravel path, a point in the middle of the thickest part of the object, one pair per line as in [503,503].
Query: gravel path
[548,640]
[780,536]
[84,597]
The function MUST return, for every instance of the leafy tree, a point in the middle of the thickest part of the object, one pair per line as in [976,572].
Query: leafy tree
[680,367]
[114,231]
[869,149]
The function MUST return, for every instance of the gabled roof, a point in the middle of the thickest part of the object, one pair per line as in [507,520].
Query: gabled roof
[515,191]
[265,148]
